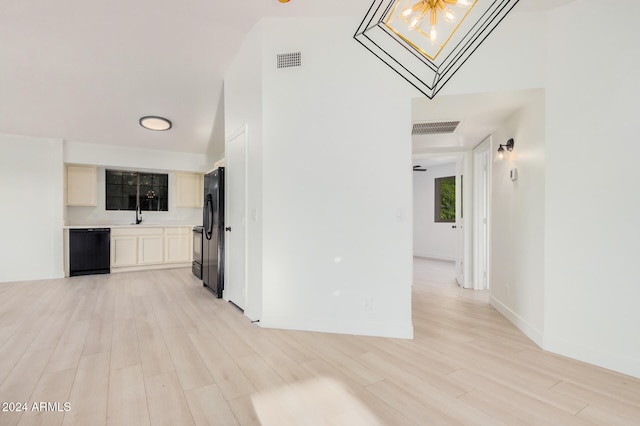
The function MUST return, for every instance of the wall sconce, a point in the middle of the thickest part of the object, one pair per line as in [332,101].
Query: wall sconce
[508,145]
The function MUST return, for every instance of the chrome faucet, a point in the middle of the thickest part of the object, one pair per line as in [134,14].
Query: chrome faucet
[138,215]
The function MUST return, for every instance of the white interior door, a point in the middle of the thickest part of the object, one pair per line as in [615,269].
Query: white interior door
[482,170]
[235,218]
[459,227]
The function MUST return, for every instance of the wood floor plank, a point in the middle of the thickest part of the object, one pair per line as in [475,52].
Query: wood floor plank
[599,416]
[155,347]
[167,404]
[154,354]
[125,353]
[403,401]
[228,377]
[90,391]
[349,366]
[187,363]
[600,400]
[385,412]
[259,373]
[69,348]
[276,358]
[52,388]
[24,376]
[99,336]
[127,403]
[209,407]
[244,412]
[13,350]
[536,408]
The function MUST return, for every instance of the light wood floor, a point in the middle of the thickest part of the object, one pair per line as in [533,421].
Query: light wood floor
[156,348]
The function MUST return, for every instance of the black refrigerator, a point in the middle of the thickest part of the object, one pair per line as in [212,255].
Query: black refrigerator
[213,232]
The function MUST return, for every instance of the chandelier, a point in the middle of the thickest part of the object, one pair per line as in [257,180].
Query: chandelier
[426,41]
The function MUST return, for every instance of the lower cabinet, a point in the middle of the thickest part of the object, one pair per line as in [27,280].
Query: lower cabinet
[177,245]
[124,250]
[146,247]
[150,249]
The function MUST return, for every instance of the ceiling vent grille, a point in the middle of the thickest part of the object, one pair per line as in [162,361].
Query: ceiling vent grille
[288,60]
[434,128]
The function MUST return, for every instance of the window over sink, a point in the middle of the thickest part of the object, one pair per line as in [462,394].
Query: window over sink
[127,189]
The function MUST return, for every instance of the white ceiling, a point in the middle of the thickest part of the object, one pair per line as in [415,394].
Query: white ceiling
[87,70]
[479,114]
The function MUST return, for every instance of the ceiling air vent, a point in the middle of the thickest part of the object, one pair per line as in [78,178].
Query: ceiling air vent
[434,128]
[288,60]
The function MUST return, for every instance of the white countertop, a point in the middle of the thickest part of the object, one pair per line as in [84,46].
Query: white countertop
[125,225]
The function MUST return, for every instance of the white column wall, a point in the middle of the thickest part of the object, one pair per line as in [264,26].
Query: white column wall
[337,184]
[31,218]
[592,174]
[243,106]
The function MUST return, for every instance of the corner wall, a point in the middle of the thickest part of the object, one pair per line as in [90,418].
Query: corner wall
[518,220]
[592,203]
[31,219]
[243,105]
[332,190]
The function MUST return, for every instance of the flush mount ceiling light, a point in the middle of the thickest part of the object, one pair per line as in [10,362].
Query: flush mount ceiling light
[426,41]
[155,123]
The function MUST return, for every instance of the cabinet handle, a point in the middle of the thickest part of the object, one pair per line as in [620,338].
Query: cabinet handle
[228,228]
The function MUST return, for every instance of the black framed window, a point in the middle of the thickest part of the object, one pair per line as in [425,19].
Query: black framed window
[445,202]
[126,189]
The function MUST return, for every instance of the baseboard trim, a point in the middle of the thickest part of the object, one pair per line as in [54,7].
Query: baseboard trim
[375,329]
[530,331]
[434,257]
[118,269]
[593,356]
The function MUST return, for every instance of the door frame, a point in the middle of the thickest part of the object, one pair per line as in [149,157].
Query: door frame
[467,200]
[482,201]
[243,130]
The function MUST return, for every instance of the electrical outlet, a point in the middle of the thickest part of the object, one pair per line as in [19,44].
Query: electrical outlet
[368,303]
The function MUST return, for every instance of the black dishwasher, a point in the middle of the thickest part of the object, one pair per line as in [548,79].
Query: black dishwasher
[89,251]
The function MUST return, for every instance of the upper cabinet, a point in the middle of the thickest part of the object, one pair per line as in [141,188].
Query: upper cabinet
[82,186]
[189,189]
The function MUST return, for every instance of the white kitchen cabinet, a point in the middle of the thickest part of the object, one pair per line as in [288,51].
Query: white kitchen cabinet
[150,249]
[124,250]
[142,247]
[189,189]
[177,245]
[82,186]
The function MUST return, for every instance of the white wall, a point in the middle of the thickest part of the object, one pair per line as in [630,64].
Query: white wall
[517,220]
[430,238]
[592,174]
[124,157]
[98,215]
[31,218]
[118,157]
[336,200]
[243,106]
[337,188]
[511,58]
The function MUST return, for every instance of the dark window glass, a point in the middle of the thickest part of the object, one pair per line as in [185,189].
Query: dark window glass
[125,190]
[445,203]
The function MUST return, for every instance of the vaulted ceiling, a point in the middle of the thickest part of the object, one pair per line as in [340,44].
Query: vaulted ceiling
[87,70]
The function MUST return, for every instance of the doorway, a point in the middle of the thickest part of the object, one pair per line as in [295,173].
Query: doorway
[448,239]
[235,218]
